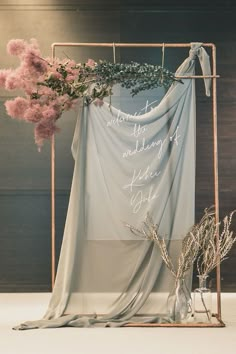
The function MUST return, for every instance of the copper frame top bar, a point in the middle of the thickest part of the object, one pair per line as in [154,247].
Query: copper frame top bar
[215,136]
[125,45]
[141,45]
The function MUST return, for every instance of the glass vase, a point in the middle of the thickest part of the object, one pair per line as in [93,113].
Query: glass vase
[179,302]
[202,301]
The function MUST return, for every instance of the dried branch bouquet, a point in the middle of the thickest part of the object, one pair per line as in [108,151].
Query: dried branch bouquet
[216,240]
[189,250]
[204,243]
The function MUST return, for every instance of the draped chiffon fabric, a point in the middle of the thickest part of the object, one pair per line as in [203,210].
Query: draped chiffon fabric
[126,166]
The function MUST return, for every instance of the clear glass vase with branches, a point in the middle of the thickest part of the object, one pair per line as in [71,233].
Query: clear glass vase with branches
[215,242]
[179,299]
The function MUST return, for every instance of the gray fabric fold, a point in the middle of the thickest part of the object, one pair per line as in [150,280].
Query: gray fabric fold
[204,59]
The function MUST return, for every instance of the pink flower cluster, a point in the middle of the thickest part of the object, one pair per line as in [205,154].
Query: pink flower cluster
[42,105]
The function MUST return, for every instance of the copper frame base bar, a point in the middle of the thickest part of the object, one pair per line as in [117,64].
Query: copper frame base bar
[218,324]
[214,77]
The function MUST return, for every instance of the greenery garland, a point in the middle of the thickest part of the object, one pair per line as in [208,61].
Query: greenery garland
[95,81]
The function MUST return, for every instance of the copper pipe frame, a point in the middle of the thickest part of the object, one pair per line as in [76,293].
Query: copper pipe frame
[53,216]
[215,150]
[216,177]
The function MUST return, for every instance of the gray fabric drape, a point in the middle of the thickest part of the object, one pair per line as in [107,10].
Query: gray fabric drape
[125,167]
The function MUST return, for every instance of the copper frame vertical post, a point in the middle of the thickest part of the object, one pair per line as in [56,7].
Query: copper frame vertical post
[216,176]
[53,233]
[53,206]
[215,142]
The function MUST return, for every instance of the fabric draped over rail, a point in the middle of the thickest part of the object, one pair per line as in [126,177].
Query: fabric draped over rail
[126,165]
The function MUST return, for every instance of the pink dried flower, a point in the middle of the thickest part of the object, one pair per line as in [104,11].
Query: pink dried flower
[61,102]
[16,108]
[3,76]
[43,105]
[29,87]
[55,75]
[43,99]
[33,114]
[46,95]
[71,77]
[14,81]
[91,63]
[69,103]
[16,47]
[44,130]
[10,83]
[35,64]
[25,71]
[50,113]
[28,81]
[47,91]
[55,104]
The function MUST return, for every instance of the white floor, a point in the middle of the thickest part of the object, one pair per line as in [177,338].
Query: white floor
[17,308]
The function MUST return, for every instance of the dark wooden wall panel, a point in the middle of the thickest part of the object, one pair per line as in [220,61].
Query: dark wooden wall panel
[25,241]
